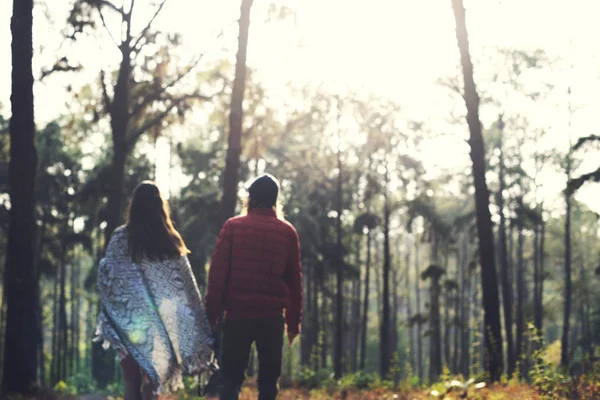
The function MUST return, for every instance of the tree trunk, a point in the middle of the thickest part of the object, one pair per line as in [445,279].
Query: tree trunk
[520,292]
[236,116]
[446,338]
[323,333]
[506,282]
[409,311]
[305,345]
[339,277]
[536,278]
[356,322]
[20,280]
[74,348]
[103,364]
[491,302]
[565,356]
[418,301]
[316,321]
[63,327]
[540,322]
[365,316]
[40,336]
[384,334]
[466,311]
[435,355]
[55,327]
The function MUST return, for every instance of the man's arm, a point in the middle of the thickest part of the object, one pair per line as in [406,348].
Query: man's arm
[217,275]
[293,278]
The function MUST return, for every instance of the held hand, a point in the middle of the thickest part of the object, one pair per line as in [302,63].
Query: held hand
[291,337]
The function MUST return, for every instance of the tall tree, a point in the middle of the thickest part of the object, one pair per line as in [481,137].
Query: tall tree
[419,318]
[434,273]
[236,116]
[384,335]
[504,272]
[491,302]
[565,349]
[20,281]
[339,278]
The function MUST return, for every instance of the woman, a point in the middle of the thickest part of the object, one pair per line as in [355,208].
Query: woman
[151,310]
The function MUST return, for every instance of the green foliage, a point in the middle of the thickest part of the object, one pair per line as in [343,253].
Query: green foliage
[312,379]
[358,380]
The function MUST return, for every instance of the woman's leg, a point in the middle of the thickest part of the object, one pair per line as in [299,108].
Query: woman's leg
[132,376]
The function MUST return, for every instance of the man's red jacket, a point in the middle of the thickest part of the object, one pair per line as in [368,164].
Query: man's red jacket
[261,254]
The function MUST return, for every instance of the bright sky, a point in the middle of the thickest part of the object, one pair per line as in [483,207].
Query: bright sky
[394,48]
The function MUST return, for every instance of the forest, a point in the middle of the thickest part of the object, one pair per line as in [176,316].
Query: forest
[439,160]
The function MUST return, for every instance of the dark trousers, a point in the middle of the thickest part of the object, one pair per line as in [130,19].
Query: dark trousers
[238,336]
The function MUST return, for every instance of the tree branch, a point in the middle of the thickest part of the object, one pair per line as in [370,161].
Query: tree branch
[61,65]
[159,118]
[149,25]
[105,3]
[106,27]
[105,98]
[156,95]
[584,140]
[127,19]
[575,184]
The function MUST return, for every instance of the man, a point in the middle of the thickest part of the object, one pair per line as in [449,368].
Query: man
[255,274]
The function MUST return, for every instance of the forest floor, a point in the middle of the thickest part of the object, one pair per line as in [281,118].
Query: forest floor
[498,392]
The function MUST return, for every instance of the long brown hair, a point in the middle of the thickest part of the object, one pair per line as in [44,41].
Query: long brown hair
[151,231]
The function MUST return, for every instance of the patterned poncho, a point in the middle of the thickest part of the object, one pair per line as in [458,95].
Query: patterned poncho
[153,311]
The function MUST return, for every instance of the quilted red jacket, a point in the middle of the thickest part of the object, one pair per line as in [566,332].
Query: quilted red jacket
[266,274]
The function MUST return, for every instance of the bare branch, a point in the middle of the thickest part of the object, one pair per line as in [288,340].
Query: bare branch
[161,116]
[149,25]
[105,3]
[127,19]
[106,27]
[586,139]
[105,98]
[156,95]
[61,65]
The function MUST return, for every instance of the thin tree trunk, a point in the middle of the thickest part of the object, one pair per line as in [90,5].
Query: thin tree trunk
[506,282]
[62,326]
[409,310]
[520,293]
[355,323]
[20,277]
[55,328]
[489,280]
[565,358]
[466,310]
[365,316]
[384,334]
[236,116]
[40,337]
[435,355]
[339,276]
[418,301]
[323,333]
[316,321]
[536,277]
[446,341]
[540,323]
[305,345]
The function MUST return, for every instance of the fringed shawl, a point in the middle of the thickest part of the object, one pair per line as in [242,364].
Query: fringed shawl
[153,311]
